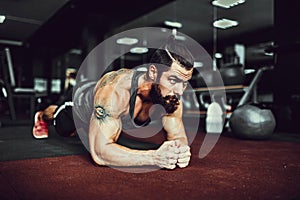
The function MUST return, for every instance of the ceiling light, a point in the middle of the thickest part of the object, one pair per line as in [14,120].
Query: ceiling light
[11,42]
[227,3]
[269,54]
[198,64]
[76,51]
[218,55]
[173,24]
[139,50]
[127,41]
[225,23]
[2,18]
[249,71]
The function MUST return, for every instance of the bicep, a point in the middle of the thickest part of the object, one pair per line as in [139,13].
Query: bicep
[102,133]
[105,124]
[105,118]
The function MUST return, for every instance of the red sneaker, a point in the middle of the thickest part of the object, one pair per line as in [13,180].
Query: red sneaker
[40,129]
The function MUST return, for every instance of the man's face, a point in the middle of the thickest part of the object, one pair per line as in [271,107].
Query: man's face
[175,80]
[170,87]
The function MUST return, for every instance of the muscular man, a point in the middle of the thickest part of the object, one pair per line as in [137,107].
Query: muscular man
[128,92]
[163,83]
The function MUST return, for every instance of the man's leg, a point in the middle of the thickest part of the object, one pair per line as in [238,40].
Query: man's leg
[42,119]
[63,120]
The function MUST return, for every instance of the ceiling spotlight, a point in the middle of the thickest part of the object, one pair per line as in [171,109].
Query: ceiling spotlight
[225,23]
[2,18]
[173,24]
[198,64]
[139,50]
[127,41]
[249,71]
[218,55]
[11,42]
[227,3]
[75,51]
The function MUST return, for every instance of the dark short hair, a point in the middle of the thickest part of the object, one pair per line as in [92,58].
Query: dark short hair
[177,50]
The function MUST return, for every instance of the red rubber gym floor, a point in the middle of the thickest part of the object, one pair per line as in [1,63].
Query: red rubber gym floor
[234,169]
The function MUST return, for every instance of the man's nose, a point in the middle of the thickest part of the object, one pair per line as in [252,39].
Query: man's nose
[179,89]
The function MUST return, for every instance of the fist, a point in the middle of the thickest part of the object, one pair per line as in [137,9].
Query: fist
[167,155]
[172,153]
[184,156]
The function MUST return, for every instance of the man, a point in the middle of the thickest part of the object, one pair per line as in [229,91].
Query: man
[127,92]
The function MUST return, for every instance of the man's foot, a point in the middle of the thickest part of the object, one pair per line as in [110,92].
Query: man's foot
[40,129]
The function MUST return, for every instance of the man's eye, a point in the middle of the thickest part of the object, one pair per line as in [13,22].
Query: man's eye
[172,81]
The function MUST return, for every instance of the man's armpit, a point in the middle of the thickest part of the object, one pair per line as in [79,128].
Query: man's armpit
[100,113]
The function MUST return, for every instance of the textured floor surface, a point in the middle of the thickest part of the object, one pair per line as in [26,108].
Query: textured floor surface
[60,168]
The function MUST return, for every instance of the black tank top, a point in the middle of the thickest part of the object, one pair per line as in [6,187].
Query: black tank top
[83,99]
[128,122]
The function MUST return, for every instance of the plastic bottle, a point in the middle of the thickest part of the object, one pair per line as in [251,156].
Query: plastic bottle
[214,119]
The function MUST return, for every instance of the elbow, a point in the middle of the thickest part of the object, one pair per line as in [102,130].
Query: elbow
[99,157]
[98,160]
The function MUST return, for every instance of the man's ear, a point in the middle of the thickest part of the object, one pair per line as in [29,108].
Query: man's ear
[152,72]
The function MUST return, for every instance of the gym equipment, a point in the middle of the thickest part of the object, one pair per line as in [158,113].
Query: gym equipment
[233,74]
[14,92]
[249,93]
[3,95]
[251,122]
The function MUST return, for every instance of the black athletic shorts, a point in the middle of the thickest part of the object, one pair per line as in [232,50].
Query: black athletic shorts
[63,119]
[82,102]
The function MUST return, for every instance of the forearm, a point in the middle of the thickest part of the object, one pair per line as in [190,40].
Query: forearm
[178,137]
[175,129]
[116,155]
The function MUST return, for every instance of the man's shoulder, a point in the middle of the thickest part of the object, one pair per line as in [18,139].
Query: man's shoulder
[120,77]
[114,85]
[112,91]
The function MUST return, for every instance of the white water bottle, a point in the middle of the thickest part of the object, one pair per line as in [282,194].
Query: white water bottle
[214,120]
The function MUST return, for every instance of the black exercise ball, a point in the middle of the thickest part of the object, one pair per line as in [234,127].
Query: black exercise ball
[251,122]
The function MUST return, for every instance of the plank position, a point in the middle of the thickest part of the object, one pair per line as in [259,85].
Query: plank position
[128,92]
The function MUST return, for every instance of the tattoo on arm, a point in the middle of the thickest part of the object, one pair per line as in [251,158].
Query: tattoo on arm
[100,113]
[111,77]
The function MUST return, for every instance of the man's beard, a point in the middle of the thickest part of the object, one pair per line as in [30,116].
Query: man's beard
[169,102]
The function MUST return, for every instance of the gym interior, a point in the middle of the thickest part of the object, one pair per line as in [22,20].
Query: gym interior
[253,46]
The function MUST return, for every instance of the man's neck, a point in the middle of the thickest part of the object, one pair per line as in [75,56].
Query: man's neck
[144,86]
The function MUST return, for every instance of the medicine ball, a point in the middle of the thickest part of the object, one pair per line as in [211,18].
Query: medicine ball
[251,122]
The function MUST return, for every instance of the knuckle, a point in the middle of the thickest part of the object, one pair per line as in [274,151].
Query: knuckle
[172,166]
[183,165]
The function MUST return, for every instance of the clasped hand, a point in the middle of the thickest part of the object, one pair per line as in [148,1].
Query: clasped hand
[172,153]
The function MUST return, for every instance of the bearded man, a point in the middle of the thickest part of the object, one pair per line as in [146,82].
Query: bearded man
[125,98]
